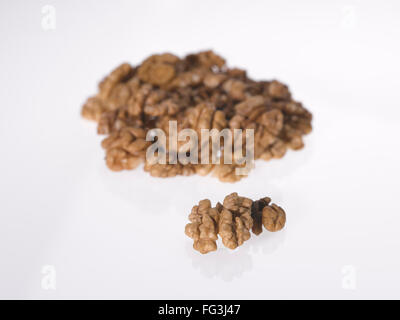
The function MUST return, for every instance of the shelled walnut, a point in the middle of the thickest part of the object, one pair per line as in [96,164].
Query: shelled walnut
[203,227]
[271,216]
[235,220]
[198,91]
[232,221]
[125,148]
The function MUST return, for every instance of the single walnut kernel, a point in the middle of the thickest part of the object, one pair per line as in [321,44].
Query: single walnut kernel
[203,227]
[235,220]
[232,221]
[273,218]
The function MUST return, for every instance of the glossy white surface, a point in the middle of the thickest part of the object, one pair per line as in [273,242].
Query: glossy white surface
[120,235]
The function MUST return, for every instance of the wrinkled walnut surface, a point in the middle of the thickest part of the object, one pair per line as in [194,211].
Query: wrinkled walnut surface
[199,92]
[232,221]
[203,227]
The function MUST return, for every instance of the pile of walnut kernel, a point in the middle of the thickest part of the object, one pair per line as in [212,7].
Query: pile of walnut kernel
[232,221]
[200,92]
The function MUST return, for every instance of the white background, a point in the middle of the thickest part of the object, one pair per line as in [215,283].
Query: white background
[121,235]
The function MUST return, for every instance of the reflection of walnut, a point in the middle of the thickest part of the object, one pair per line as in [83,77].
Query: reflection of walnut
[203,227]
[125,148]
[232,221]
